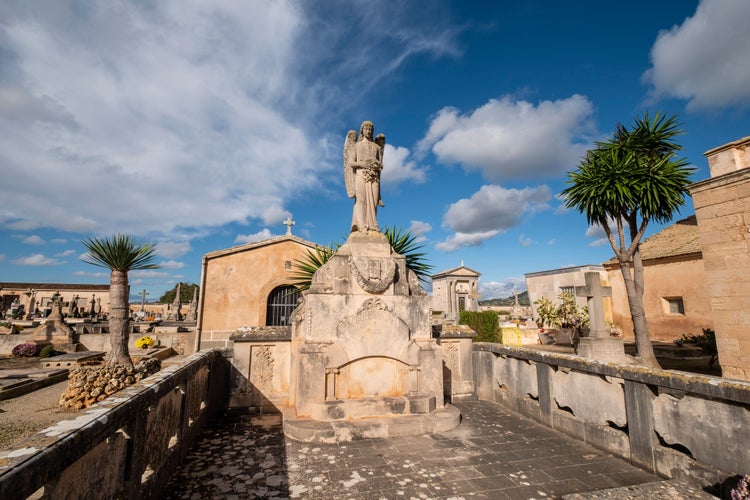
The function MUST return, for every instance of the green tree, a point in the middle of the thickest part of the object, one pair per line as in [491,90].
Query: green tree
[624,183]
[403,243]
[187,290]
[120,254]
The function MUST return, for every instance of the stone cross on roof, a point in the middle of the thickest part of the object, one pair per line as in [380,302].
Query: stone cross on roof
[288,222]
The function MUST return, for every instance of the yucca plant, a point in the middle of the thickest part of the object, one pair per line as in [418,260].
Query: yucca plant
[405,243]
[304,268]
[120,254]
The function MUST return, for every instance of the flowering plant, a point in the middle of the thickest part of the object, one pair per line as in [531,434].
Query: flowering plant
[24,350]
[144,342]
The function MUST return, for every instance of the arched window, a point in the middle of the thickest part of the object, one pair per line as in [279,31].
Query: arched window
[281,302]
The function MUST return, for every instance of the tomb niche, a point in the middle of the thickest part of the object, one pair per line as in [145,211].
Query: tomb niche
[364,363]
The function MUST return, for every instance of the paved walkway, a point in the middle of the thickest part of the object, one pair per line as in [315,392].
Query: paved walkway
[493,454]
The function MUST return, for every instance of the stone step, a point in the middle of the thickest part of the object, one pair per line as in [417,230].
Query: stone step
[318,431]
[344,409]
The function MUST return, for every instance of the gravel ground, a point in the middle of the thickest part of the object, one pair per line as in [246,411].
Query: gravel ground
[26,415]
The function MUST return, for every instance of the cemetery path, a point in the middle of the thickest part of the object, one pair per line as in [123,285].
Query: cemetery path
[494,453]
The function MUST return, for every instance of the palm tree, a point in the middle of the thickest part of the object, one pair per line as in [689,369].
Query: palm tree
[403,243]
[629,180]
[120,254]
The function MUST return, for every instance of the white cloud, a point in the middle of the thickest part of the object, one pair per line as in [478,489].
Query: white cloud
[596,231]
[501,289]
[552,241]
[2,257]
[461,240]
[37,259]
[172,249]
[66,253]
[524,241]
[398,167]
[261,235]
[150,274]
[186,115]
[420,229]
[508,139]
[705,59]
[489,212]
[88,274]
[58,241]
[171,264]
[33,240]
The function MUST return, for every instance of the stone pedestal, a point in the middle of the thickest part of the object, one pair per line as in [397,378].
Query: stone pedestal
[610,349]
[362,348]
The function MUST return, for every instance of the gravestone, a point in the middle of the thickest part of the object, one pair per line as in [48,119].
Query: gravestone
[599,344]
[53,331]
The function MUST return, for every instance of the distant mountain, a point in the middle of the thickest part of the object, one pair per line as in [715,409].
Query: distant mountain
[523,299]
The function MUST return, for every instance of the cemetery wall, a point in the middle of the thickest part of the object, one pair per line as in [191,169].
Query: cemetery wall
[180,342]
[722,206]
[126,446]
[674,424]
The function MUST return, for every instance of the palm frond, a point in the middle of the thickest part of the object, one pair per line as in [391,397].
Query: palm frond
[121,252]
[305,268]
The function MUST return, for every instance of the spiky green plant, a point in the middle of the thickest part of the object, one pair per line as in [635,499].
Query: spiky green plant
[305,267]
[403,243]
[406,243]
[120,254]
[627,181]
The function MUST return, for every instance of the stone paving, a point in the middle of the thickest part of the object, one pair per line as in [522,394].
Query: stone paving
[493,454]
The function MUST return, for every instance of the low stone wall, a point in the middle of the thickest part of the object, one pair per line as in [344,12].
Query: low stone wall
[181,342]
[674,424]
[126,446]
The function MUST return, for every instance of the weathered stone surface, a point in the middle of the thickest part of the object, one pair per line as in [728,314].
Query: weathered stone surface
[88,383]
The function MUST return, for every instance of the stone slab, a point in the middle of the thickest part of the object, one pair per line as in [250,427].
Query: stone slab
[14,383]
[72,359]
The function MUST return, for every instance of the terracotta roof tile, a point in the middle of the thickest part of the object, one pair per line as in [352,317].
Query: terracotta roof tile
[681,238]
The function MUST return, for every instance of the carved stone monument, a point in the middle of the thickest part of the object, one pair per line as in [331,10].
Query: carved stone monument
[364,362]
[54,331]
[598,344]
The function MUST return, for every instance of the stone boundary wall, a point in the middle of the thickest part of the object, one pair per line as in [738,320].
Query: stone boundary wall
[675,424]
[181,342]
[126,446]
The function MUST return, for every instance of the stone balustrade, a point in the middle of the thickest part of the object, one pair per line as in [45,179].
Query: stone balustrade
[676,424]
[128,445]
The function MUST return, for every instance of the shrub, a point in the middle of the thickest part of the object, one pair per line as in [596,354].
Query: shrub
[706,342]
[24,350]
[484,323]
[144,342]
[48,351]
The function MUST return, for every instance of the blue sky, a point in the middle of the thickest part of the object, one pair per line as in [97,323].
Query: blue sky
[202,125]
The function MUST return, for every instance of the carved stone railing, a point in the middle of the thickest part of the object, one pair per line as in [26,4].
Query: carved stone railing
[675,424]
[126,446]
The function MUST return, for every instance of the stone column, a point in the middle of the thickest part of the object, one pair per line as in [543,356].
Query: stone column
[722,209]
[599,344]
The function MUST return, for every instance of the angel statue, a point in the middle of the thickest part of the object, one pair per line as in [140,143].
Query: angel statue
[363,161]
